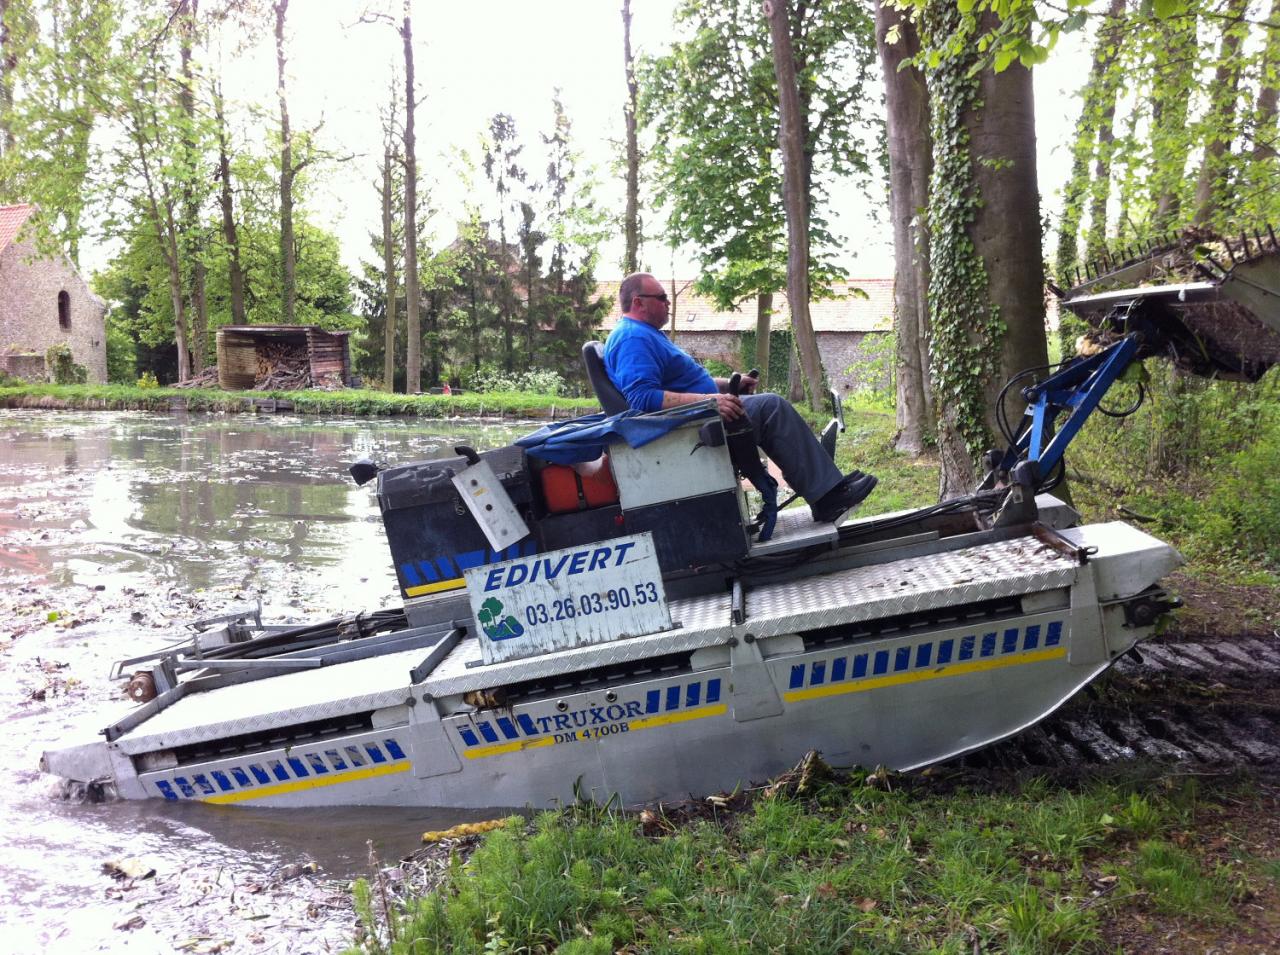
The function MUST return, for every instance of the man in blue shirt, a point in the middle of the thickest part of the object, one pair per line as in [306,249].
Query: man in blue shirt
[653,374]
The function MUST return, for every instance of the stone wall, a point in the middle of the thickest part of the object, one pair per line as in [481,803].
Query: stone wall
[29,310]
[845,355]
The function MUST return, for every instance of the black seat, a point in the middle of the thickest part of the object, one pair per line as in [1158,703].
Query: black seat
[610,398]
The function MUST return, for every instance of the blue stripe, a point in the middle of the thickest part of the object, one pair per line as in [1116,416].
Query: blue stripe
[428,571]
[259,773]
[944,651]
[693,694]
[859,666]
[410,573]
[989,644]
[924,654]
[356,757]
[485,730]
[651,701]
[240,777]
[673,697]
[281,773]
[1010,640]
[468,737]
[469,559]
[838,666]
[317,764]
[1054,635]
[818,673]
[184,786]
[221,779]
[966,647]
[508,728]
[166,790]
[881,663]
[299,769]
[1033,637]
[393,748]
[445,569]
[797,676]
[526,724]
[901,659]
[713,690]
[335,760]
[202,781]
[374,753]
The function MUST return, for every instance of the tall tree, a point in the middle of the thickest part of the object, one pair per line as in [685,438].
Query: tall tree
[502,167]
[795,197]
[187,16]
[386,192]
[288,251]
[1223,109]
[631,219]
[713,102]
[226,204]
[910,164]
[413,356]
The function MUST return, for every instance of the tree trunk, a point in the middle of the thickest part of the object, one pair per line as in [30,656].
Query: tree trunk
[413,327]
[388,272]
[8,64]
[1264,124]
[230,234]
[1105,85]
[1006,233]
[288,252]
[764,319]
[1223,94]
[190,200]
[910,163]
[1170,139]
[631,222]
[794,197]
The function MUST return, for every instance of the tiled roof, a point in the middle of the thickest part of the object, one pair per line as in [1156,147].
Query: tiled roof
[848,312]
[12,219]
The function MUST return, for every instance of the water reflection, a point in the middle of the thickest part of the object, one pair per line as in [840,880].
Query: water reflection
[115,528]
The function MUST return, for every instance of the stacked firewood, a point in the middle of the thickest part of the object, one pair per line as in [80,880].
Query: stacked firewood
[206,379]
[281,367]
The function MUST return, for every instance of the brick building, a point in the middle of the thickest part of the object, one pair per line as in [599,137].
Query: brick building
[44,302]
[846,325]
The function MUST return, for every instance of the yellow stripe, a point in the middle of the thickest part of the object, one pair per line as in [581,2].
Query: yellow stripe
[435,588]
[262,792]
[480,752]
[960,669]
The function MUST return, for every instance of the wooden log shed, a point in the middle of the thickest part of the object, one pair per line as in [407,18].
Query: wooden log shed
[327,353]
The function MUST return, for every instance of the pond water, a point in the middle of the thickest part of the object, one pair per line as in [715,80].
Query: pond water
[116,528]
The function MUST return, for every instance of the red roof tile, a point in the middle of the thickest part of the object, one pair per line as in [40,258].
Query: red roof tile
[12,219]
[848,312]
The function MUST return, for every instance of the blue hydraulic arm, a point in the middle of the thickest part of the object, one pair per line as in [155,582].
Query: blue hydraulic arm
[1077,390]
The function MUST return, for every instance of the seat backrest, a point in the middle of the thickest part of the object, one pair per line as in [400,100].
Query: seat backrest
[610,398]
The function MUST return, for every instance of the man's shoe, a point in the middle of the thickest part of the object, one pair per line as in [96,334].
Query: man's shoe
[844,497]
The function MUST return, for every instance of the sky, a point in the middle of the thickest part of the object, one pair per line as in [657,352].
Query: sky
[481,57]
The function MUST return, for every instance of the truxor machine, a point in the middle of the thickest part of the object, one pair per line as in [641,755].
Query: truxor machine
[586,612]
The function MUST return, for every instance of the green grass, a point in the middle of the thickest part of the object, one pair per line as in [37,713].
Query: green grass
[349,401]
[851,869]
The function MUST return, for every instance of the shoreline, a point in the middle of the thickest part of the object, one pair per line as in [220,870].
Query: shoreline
[359,403]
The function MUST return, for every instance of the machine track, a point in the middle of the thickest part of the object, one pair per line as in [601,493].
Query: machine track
[1211,705]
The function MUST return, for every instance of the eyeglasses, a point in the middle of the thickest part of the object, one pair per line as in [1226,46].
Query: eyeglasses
[662,297]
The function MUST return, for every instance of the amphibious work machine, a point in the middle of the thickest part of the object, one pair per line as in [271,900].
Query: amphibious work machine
[592,611]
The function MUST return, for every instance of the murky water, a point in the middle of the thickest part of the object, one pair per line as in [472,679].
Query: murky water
[115,529]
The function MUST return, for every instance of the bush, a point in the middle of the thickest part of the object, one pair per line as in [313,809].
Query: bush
[717,368]
[535,381]
[148,380]
[63,369]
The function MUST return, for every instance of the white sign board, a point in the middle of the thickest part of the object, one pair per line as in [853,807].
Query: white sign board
[568,598]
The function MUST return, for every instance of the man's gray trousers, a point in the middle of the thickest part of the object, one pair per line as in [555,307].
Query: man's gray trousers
[785,437]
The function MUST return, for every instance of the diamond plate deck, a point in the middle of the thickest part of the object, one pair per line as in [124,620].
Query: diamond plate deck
[1000,569]
[283,700]
[704,621]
